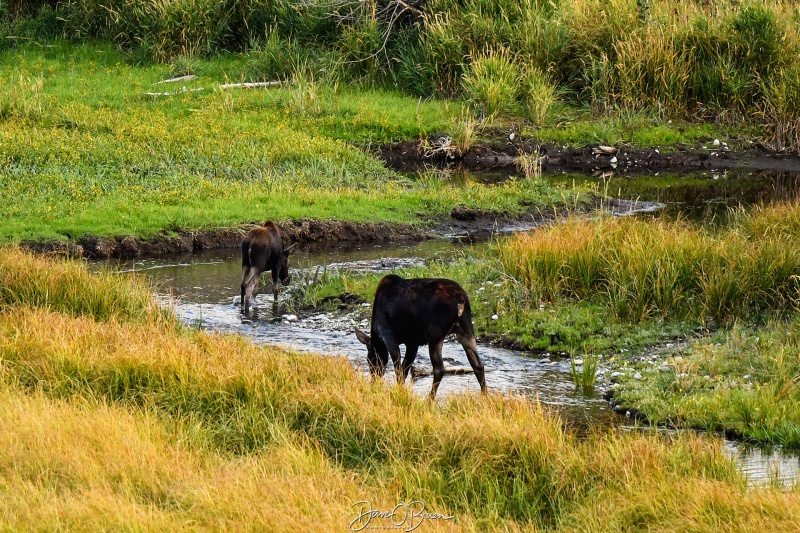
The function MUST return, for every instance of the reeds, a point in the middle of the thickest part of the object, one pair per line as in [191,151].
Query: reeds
[583,372]
[646,268]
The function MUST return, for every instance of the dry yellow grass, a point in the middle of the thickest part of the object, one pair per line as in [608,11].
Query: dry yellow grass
[115,423]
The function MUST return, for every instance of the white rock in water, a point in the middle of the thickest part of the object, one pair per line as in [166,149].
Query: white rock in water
[292,318]
[578,361]
[237,300]
[613,160]
[716,142]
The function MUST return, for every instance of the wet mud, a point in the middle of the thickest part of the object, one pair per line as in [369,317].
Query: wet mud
[411,156]
[303,230]
[463,223]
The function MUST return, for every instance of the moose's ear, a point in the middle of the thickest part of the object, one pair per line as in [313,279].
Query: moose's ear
[363,337]
[290,249]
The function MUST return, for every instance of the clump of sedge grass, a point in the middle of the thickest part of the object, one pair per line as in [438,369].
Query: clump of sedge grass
[651,268]
[584,374]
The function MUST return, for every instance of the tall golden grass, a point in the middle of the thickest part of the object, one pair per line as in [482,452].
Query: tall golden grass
[114,423]
[68,287]
[646,268]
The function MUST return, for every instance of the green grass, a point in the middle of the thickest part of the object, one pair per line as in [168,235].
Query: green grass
[744,379]
[639,129]
[80,140]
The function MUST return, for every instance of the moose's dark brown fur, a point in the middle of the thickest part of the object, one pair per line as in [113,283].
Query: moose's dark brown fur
[262,250]
[416,312]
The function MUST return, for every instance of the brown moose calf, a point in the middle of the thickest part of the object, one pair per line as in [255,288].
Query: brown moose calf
[262,249]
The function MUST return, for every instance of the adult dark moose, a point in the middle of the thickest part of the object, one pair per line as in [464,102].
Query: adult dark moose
[416,312]
[262,249]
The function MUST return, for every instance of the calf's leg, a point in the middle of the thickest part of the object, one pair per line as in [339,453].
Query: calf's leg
[250,285]
[275,284]
[245,270]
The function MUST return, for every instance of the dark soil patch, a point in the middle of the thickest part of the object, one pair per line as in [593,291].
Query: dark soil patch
[126,247]
[411,156]
[345,300]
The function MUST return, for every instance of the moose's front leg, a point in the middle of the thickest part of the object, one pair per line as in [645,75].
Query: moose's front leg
[408,360]
[274,284]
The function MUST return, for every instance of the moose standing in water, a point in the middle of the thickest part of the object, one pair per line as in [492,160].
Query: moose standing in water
[263,250]
[416,312]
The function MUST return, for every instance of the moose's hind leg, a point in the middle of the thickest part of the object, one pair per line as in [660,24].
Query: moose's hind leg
[245,270]
[408,360]
[470,345]
[252,281]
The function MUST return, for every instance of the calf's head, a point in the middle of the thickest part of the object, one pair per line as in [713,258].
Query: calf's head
[283,271]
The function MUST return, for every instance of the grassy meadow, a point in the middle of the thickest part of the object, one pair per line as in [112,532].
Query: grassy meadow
[84,150]
[115,416]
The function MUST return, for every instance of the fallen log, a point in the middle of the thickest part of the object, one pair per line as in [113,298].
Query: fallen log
[454,370]
[179,78]
[251,85]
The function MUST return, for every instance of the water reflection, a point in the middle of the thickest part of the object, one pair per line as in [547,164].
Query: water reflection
[705,196]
